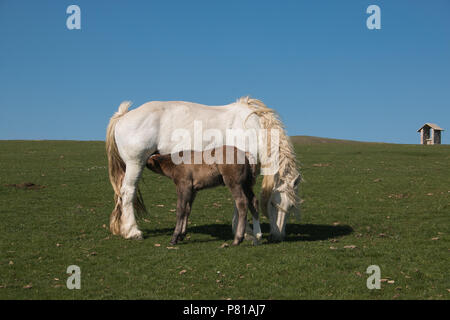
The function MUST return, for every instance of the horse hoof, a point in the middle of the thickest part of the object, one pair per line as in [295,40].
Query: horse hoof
[248,236]
[135,236]
[236,242]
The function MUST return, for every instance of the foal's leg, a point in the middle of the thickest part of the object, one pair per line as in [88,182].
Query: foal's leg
[186,217]
[242,206]
[253,206]
[128,226]
[234,221]
[184,197]
[248,229]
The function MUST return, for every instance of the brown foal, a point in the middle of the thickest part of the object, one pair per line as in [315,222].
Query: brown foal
[238,175]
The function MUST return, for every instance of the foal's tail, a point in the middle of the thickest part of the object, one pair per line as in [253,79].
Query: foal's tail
[116,169]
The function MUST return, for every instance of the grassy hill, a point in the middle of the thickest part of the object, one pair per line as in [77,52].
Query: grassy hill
[363,204]
[319,140]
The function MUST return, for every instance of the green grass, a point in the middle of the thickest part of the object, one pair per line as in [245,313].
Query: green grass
[390,201]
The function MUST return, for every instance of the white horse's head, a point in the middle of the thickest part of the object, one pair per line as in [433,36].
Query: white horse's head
[282,202]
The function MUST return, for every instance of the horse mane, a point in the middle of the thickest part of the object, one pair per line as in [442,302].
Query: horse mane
[288,171]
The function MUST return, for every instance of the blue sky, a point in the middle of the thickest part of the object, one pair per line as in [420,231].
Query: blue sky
[315,62]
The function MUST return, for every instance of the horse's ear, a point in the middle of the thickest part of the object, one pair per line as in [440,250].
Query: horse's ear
[296,181]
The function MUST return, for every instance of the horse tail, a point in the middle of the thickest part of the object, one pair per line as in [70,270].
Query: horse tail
[116,166]
[287,169]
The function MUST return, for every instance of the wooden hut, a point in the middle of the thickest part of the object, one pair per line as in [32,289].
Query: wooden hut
[430,133]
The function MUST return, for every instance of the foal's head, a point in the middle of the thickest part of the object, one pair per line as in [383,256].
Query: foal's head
[158,163]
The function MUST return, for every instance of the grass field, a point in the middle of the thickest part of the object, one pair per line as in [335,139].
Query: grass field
[364,204]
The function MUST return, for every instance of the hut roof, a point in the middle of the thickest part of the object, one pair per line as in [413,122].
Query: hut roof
[431,125]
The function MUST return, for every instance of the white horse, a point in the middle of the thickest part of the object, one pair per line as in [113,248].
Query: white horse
[132,136]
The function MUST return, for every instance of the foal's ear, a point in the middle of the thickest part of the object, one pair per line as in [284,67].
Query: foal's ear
[153,161]
[296,181]
[155,157]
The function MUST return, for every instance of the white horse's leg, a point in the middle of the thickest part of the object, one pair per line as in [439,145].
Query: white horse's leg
[128,226]
[257,234]
[257,229]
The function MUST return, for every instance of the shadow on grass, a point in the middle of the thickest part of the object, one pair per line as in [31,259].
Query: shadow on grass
[315,232]
[294,232]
